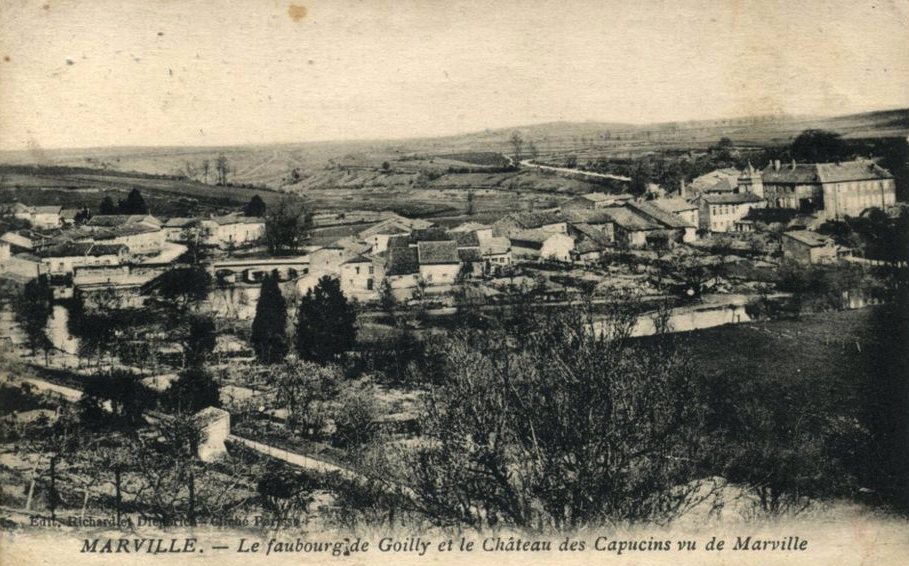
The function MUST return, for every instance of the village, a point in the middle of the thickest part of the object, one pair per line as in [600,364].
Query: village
[282,342]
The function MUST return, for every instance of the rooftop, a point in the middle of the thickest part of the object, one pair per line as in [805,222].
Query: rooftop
[495,246]
[470,227]
[811,239]
[402,260]
[813,173]
[83,249]
[435,253]
[467,239]
[655,213]
[627,219]
[675,205]
[732,198]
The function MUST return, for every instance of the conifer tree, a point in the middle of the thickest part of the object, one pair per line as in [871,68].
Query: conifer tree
[269,338]
[326,322]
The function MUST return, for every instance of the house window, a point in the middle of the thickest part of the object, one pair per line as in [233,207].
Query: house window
[371,270]
[357,269]
[369,284]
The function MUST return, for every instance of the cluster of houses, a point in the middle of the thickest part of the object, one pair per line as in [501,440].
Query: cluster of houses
[59,242]
[409,253]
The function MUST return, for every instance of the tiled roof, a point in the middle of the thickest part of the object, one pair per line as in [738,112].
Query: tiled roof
[469,255]
[402,260]
[626,219]
[724,185]
[525,237]
[358,259]
[710,179]
[812,173]
[733,198]
[83,249]
[108,220]
[588,232]
[495,246]
[470,227]
[587,216]
[395,225]
[180,222]
[657,214]
[434,253]
[674,204]
[51,209]
[467,239]
[812,239]
[433,234]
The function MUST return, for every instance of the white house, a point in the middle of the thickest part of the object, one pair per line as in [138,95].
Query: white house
[720,212]
[686,210]
[234,230]
[483,231]
[41,217]
[379,234]
[539,244]
[360,276]
[439,261]
[64,259]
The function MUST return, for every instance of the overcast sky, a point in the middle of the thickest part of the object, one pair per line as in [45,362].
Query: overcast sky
[186,72]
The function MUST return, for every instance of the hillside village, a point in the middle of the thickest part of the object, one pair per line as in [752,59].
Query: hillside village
[311,333]
[81,250]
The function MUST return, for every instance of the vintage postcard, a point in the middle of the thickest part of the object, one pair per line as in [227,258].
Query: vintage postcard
[454,282]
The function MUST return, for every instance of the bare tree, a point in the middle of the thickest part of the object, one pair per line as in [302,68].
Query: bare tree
[303,389]
[517,144]
[222,168]
[558,424]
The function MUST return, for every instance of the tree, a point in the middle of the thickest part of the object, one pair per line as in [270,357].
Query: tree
[386,166]
[355,415]
[304,390]
[113,402]
[471,204]
[818,146]
[517,144]
[287,227]
[193,390]
[222,168]
[206,170]
[107,206]
[33,309]
[83,216]
[182,287]
[255,207]
[566,425]
[326,322]
[134,204]
[284,492]
[269,327]
[198,338]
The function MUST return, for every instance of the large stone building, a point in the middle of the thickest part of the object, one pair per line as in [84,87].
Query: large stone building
[833,190]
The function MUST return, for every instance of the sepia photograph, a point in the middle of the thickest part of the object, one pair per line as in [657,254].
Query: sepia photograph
[379,282]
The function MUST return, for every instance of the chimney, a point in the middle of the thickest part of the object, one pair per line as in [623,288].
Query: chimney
[776,164]
[682,188]
[793,164]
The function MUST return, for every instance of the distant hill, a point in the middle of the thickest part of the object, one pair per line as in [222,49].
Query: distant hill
[280,165]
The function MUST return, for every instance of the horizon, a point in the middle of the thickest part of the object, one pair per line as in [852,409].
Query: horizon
[504,129]
[203,75]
